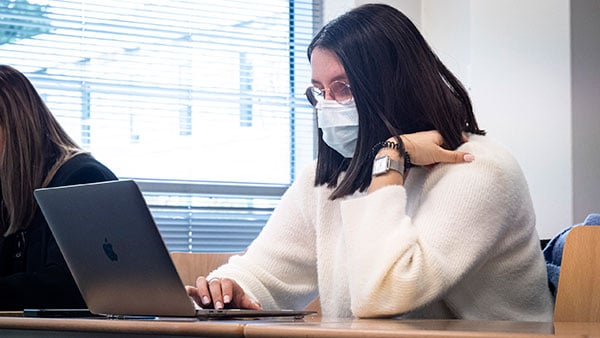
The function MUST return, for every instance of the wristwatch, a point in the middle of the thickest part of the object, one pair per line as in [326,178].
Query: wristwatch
[383,164]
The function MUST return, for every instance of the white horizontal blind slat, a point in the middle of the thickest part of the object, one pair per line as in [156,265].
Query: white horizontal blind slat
[210,93]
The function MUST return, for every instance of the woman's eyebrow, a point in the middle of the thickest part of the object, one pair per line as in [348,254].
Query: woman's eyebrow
[340,77]
[336,78]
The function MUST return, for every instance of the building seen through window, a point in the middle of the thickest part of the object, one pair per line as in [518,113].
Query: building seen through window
[190,98]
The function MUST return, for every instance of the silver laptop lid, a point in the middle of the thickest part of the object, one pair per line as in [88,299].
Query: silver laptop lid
[114,249]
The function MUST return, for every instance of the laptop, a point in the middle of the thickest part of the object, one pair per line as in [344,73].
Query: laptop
[117,256]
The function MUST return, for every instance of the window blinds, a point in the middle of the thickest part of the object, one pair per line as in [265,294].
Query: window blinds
[202,102]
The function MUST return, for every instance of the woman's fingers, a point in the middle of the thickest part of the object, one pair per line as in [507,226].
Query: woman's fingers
[216,293]
[227,290]
[221,293]
[242,300]
[426,148]
[200,293]
[450,156]
[235,296]
[192,291]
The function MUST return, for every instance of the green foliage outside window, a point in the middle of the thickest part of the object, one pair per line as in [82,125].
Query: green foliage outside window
[20,19]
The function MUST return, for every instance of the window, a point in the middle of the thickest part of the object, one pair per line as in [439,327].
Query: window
[201,102]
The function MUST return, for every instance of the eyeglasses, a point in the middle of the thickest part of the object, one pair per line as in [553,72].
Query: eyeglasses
[338,90]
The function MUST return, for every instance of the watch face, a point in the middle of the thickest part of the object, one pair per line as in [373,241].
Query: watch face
[380,165]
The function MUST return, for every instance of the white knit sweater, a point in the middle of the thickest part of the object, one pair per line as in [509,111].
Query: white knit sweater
[456,241]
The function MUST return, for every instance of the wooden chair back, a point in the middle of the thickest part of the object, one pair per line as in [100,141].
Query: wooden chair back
[578,292]
[190,265]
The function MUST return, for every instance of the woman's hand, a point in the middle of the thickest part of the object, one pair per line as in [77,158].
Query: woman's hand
[425,148]
[220,293]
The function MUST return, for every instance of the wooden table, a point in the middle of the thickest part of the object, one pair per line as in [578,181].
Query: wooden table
[311,326]
[339,328]
[75,327]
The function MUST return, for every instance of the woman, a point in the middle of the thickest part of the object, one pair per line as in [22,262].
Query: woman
[35,152]
[382,226]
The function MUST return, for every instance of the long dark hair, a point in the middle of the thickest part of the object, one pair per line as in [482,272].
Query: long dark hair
[399,86]
[35,146]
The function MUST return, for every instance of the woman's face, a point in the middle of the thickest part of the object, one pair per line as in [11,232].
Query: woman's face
[326,68]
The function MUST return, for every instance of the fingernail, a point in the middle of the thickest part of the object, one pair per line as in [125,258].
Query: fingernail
[226,299]
[468,158]
[218,305]
[205,300]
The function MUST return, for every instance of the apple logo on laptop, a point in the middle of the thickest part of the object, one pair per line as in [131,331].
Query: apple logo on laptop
[108,250]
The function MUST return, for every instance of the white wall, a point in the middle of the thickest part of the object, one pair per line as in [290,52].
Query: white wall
[514,56]
[585,80]
[334,8]
[520,78]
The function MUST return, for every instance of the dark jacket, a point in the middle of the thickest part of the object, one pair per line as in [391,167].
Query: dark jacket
[33,272]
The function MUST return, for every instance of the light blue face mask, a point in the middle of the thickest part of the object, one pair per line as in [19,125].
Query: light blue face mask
[339,123]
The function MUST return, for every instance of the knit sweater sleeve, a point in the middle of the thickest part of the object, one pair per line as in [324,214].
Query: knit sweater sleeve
[400,263]
[279,267]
